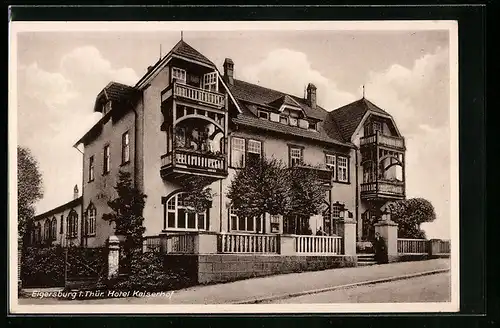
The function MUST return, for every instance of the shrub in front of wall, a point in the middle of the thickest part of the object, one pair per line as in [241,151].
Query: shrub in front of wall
[43,267]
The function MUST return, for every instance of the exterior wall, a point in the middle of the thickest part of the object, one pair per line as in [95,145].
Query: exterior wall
[101,189]
[61,237]
[155,145]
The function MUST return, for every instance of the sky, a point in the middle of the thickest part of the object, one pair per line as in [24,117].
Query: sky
[407,73]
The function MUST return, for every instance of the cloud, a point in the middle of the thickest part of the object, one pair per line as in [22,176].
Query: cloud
[55,108]
[290,71]
[418,98]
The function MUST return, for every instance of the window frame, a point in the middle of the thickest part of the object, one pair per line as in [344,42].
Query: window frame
[290,158]
[332,167]
[125,147]
[90,224]
[181,70]
[91,168]
[234,216]
[314,124]
[166,210]
[212,81]
[286,119]
[72,225]
[339,168]
[243,162]
[61,226]
[336,170]
[265,113]
[53,228]
[106,164]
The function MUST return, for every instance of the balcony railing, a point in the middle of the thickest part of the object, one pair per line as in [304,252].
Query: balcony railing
[185,158]
[323,174]
[390,188]
[195,94]
[383,140]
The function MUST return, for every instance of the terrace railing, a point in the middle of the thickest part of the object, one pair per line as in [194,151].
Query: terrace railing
[229,242]
[318,244]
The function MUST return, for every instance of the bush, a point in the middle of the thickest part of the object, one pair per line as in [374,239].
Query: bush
[43,267]
[147,273]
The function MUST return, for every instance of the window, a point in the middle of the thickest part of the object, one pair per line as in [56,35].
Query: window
[46,230]
[179,75]
[293,121]
[61,225]
[91,168]
[105,168]
[275,223]
[179,216]
[243,224]
[254,150]
[377,127]
[91,220]
[72,224]
[336,209]
[125,148]
[295,156]
[106,107]
[38,233]
[312,125]
[283,119]
[342,169]
[53,229]
[210,81]
[330,163]
[237,152]
[264,115]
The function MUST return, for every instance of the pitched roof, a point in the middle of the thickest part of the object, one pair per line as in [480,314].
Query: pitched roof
[257,94]
[250,97]
[71,204]
[348,117]
[116,92]
[185,50]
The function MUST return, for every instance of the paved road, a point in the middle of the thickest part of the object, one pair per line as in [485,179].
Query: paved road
[432,288]
[244,290]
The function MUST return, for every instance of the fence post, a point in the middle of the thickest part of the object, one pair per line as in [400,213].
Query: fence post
[388,230]
[433,247]
[113,256]
[287,245]
[347,229]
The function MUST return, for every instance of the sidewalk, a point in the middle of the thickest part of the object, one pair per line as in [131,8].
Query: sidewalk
[244,290]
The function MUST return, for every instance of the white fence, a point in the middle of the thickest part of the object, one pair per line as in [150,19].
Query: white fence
[318,244]
[413,246]
[247,243]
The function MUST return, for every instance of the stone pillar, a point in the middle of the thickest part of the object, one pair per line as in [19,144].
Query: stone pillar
[113,256]
[205,242]
[346,228]
[388,230]
[433,247]
[287,245]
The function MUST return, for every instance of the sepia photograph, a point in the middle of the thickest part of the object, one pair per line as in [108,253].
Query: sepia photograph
[229,167]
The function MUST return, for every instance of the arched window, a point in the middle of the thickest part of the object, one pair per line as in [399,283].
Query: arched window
[53,228]
[46,230]
[177,215]
[38,233]
[72,224]
[90,220]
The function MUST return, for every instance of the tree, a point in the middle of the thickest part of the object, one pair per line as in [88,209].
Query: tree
[307,192]
[409,214]
[197,195]
[261,187]
[29,188]
[127,211]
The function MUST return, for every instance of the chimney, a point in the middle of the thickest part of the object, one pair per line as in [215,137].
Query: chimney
[229,71]
[311,95]
[75,192]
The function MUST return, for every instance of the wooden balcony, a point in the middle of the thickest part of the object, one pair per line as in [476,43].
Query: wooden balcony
[383,140]
[383,190]
[194,95]
[182,163]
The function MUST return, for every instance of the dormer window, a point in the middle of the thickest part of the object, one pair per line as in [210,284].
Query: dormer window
[264,115]
[312,126]
[284,119]
[179,75]
[293,121]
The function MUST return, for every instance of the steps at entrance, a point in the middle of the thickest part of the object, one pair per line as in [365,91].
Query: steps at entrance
[366,259]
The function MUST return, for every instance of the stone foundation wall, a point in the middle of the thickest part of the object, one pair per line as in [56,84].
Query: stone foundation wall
[216,268]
